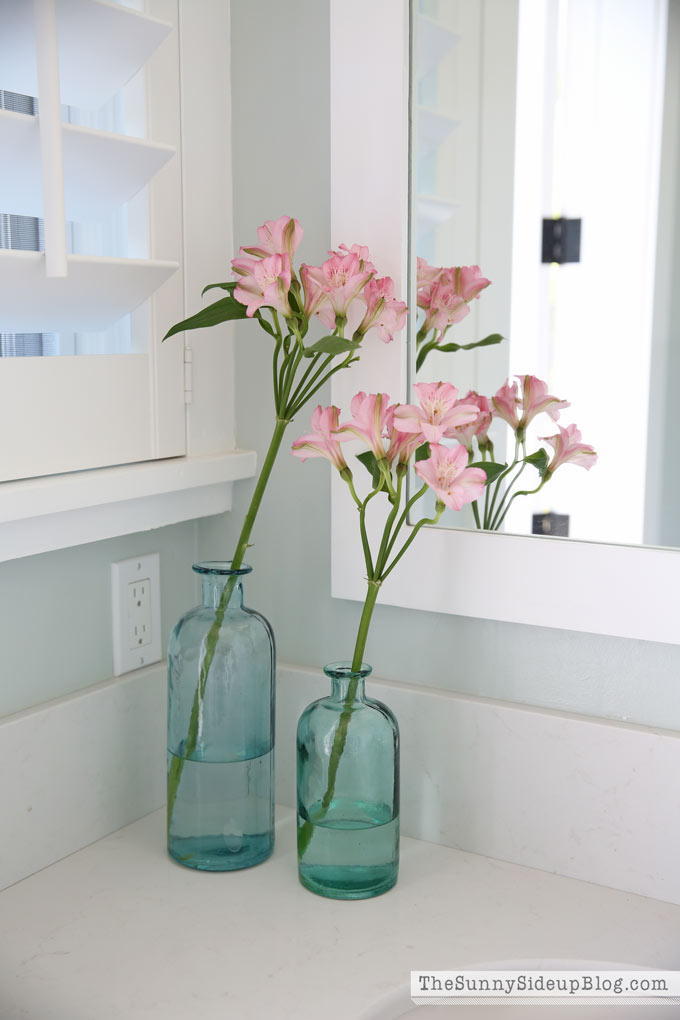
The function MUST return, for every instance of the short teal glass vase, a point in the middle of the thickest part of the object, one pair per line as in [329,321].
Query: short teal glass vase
[348,791]
[221,668]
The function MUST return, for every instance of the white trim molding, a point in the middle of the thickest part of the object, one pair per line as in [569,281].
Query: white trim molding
[41,514]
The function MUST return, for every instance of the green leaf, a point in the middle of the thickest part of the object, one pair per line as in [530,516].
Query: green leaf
[423,353]
[371,464]
[423,452]
[331,345]
[539,460]
[221,311]
[230,286]
[492,469]
[266,326]
[294,301]
[488,341]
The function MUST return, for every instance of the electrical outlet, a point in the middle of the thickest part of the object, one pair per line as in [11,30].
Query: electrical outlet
[139,614]
[136,613]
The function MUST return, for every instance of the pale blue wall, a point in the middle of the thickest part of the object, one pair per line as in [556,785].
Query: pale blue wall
[55,612]
[281,165]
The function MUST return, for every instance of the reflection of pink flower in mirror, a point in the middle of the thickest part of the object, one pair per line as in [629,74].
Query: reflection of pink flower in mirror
[321,441]
[263,282]
[447,474]
[536,399]
[479,426]
[445,293]
[277,237]
[443,307]
[372,417]
[468,281]
[341,277]
[426,274]
[384,312]
[569,449]
[439,413]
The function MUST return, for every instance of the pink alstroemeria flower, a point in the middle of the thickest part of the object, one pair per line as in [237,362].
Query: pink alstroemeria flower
[569,449]
[276,237]
[321,442]
[263,282]
[315,293]
[402,446]
[357,249]
[372,418]
[479,427]
[439,412]
[447,474]
[384,312]
[341,277]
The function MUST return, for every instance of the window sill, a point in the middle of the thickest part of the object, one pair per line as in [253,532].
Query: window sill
[42,514]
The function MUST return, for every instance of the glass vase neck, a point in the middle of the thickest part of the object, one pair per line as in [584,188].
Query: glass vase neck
[347,681]
[220,581]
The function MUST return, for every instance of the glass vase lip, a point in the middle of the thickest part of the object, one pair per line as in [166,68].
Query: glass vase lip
[221,568]
[344,671]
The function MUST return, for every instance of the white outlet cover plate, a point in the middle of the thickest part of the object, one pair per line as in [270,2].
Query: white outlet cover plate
[124,573]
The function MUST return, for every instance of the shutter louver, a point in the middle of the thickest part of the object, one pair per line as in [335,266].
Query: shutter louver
[98,46]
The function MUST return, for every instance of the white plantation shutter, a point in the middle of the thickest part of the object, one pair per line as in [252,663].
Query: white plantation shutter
[89,186]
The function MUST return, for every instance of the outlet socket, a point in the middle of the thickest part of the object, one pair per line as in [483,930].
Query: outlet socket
[136,613]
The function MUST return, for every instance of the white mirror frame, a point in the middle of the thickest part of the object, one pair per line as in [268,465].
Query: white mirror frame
[623,591]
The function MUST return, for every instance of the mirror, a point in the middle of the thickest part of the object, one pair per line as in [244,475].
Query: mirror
[527,110]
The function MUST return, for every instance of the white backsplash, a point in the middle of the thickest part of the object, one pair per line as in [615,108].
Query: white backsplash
[582,797]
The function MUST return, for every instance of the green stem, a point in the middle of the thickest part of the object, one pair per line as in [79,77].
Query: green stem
[422,335]
[486,505]
[368,559]
[210,646]
[275,371]
[407,509]
[522,492]
[306,830]
[423,353]
[426,520]
[364,623]
[309,392]
[495,523]
[384,545]
[294,359]
[502,475]
[475,511]
[300,395]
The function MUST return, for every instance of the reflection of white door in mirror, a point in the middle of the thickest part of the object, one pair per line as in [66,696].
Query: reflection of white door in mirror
[597,588]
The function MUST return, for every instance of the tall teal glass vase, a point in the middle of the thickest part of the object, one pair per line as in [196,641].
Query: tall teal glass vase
[221,667]
[348,791]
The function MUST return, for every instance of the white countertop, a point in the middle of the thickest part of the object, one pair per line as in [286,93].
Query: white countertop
[118,931]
